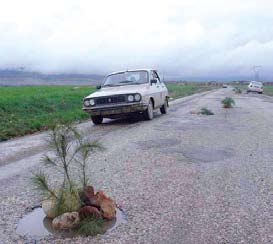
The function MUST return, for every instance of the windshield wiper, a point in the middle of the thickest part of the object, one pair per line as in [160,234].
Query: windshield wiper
[136,83]
[126,81]
[129,82]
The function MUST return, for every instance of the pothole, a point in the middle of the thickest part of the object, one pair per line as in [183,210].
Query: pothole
[36,225]
[161,143]
[207,155]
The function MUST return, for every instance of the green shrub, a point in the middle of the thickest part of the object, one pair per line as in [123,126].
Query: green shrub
[228,102]
[68,148]
[206,111]
[68,200]
[237,90]
[90,227]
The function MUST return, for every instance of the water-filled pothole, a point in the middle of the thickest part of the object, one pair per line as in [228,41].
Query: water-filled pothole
[36,225]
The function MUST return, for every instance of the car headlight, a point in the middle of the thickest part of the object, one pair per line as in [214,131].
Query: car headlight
[86,103]
[92,102]
[130,98]
[137,97]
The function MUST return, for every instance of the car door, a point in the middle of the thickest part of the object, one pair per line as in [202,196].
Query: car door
[156,89]
[163,89]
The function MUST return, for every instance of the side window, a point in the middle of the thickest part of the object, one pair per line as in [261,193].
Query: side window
[155,76]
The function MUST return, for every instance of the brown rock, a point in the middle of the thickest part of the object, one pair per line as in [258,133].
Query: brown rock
[89,197]
[100,197]
[66,221]
[108,209]
[89,211]
[89,191]
[107,205]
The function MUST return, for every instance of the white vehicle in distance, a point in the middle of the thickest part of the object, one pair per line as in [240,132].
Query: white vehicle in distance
[255,86]
[126,93]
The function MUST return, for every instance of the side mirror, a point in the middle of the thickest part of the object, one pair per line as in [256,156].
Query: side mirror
[153,81]
[98,87]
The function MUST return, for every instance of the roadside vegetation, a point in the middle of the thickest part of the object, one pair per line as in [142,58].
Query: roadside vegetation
[228,102]
[206,111]
[237,90]
[180,90]
[268,90]
[25,110]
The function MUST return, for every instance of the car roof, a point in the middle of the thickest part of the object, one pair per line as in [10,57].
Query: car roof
[121,71]
[257,82]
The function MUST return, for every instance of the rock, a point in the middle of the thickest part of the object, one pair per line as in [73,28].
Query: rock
[99,200]
[108,209]
[89,211]
[89,191]
[89,197]
[100,197]
[66,221]
[48,208]
[107,205]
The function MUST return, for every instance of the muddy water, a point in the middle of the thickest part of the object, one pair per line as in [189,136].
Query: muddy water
[36,225]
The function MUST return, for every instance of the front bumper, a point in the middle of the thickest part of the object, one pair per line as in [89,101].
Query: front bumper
[116,109]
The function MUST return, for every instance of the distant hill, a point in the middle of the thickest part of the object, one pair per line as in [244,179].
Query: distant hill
[13,77]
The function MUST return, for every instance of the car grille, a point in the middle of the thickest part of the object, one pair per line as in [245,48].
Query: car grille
[110,100]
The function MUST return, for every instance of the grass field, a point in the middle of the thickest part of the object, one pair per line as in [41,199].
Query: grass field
[268,90]
[176,90]
[24,110]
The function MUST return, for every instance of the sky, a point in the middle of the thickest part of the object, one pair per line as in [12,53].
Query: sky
[181,38]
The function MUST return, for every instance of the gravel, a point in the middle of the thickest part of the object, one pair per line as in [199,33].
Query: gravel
[181,178]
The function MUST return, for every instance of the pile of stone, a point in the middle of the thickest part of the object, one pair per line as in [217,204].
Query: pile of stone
[94,205]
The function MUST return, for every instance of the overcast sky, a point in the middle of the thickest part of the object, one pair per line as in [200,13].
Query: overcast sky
[188,38]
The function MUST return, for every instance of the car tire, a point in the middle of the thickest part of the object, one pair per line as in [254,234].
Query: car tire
[97,120]
[149,112]
[164,107]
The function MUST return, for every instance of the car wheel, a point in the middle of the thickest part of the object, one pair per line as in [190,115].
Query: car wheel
[164,107]
[149,113]
[97,120]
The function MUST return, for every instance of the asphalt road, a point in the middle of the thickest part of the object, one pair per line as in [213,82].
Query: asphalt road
[181,178]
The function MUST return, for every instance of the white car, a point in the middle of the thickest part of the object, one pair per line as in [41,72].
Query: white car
[255,86]
[127,92]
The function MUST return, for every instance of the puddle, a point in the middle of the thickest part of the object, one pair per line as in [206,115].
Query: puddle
[36,225]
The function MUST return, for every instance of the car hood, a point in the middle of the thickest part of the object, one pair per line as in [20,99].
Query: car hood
[110,91]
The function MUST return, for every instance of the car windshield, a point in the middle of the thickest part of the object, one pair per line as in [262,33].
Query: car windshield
[256,83]
[127,78]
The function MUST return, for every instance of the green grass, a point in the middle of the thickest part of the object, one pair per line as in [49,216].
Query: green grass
[90,227]
[268,90]
[25,110]
[177,91]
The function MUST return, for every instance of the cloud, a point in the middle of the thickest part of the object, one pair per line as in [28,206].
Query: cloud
[181,37]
